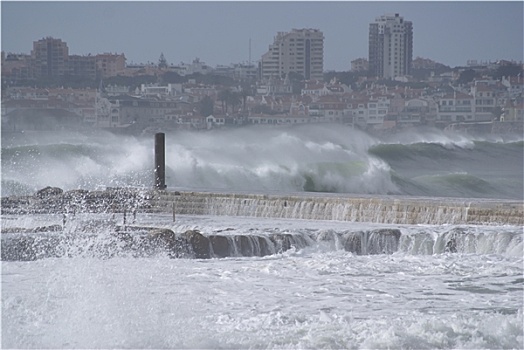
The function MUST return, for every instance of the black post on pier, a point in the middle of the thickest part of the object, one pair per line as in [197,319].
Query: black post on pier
[160,161]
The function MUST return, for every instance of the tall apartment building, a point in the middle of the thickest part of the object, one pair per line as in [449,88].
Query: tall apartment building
[300,51]
[83,66]
[390,46]
[50,57]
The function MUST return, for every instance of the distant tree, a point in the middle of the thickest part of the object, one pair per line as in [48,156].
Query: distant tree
[223,96]
[347,78]
[206,106]
[212,79]
[467,76]
[262,109]
[297,82]
[173,78]
[77,81]
[234,100]
[162,62]
[508,70]
[247,90]
[132,82]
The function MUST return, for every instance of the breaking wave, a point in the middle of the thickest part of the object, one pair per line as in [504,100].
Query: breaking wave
[320,158]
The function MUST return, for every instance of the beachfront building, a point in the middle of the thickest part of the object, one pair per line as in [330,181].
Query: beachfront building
[300,51]
[390,46]
[486,100]
[455,107]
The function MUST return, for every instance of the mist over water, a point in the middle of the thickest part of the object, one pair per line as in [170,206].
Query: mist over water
[318,158]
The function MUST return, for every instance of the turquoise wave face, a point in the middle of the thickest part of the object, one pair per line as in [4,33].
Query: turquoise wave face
[337,177]
[464,169]
[397,152]
[462,185]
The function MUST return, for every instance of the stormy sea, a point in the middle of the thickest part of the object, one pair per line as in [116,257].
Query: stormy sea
[336,284]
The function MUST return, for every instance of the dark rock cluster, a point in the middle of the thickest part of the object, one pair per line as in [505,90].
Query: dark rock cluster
[105,240]
[54,200]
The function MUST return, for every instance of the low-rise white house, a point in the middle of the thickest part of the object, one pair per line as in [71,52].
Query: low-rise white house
[213,122]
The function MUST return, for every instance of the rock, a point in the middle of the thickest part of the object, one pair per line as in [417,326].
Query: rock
[244,247]
[264,244]
[199,243]
[163,236]
[49,191]
[51,228]
[28,248]
[353,242]
[166,239]
[220,246]
[383,241]
[282,241]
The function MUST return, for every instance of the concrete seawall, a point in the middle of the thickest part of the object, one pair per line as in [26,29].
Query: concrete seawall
[395,210]
[309,206]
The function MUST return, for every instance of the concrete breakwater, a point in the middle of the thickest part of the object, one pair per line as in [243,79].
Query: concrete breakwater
[111,235]
[309,206]
[389,210]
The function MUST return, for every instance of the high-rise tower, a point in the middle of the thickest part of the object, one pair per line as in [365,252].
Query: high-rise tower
[50,57]
[390,46]
[300,51]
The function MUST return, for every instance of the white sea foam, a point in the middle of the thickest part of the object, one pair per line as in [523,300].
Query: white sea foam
[316,297]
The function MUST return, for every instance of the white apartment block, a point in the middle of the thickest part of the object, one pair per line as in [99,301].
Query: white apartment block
[377,110]
[485,101]
[300,51]
[390,46]
[456,107]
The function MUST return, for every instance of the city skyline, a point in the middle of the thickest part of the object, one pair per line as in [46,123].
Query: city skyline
[221,33]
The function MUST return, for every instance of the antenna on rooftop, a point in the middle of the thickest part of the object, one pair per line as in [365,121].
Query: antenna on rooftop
[249,51]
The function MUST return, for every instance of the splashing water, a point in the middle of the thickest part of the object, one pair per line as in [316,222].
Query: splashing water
[320,158]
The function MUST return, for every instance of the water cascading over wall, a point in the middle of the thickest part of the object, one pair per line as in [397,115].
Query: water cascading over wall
[389,210]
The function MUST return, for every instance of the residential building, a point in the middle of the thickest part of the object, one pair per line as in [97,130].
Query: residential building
[275,87]
[329,108]
[485,98]
[377,110]
[245,72]
[513,112]
[456,107]
[417,111]
[359,65]
[83,66]
[300,51]
[514,85]
[159,91]
[50,57]
[110,65]
[423,63]
[318,88]
[390,46]
[16,67]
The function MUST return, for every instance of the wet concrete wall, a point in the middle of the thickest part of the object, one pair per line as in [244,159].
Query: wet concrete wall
[353,208]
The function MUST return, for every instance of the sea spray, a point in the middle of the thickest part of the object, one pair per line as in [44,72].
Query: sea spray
[320,158]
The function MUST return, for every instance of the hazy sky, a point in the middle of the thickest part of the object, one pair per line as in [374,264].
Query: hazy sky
[219,32]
